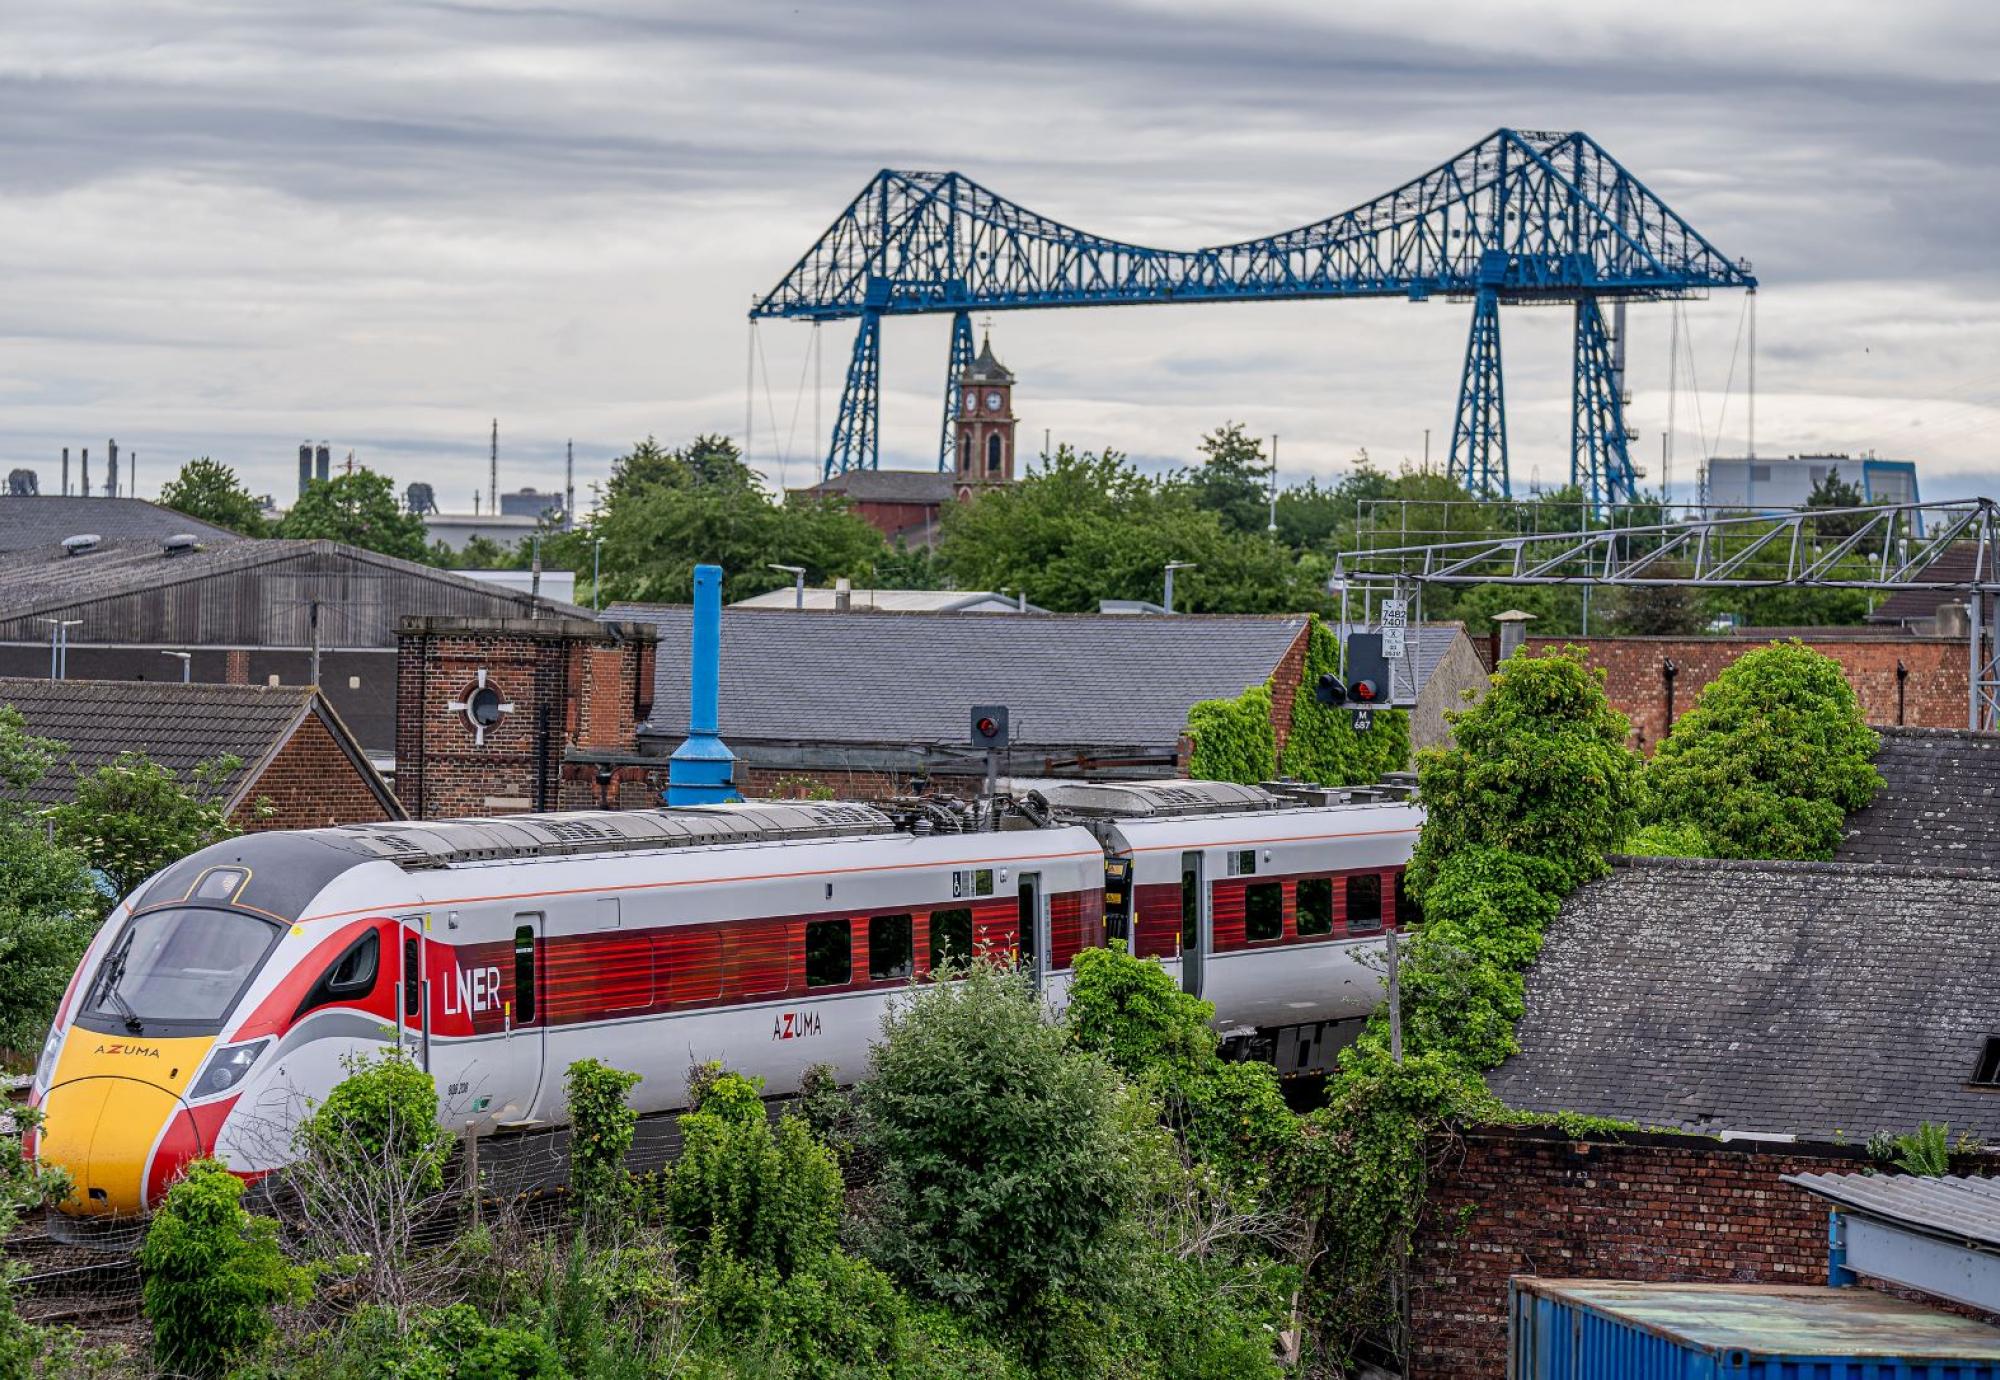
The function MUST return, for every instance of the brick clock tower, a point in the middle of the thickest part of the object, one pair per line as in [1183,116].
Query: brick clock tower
[985,425]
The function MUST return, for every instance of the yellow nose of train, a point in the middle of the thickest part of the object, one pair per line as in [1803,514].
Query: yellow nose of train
[114,1118]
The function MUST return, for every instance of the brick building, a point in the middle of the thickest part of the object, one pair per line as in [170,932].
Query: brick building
[1900,680]
[301,767]
[505,715]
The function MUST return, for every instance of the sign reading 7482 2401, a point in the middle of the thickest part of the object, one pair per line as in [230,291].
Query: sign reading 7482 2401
[1395,624]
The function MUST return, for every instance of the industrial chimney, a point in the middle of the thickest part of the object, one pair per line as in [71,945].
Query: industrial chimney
[85,489]
[702,767]
[65,487]
[111,471]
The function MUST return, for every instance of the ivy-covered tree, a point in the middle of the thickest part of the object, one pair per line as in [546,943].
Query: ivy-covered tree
[1539,767]
[1233,739]
[211,491]
[360,509]
[132,817]
[1769,760]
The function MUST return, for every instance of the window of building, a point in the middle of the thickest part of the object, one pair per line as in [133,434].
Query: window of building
[890,951]
[1315,905]
[951,938]
[1760,474]
[964,453]
[1264,912]
[1986,1073]
[1364,901]
[1408,913]
[524,974]
[413,992]
[993,453]
[829,953]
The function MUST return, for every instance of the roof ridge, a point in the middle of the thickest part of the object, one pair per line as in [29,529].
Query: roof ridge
[1810,867]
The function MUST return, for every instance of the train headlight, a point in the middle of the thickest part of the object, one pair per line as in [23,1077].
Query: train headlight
[51,1047]
[226,1068]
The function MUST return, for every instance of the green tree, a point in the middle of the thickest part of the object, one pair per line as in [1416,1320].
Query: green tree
[1769,760]
[212,1273]
[49,906]
[1538,767]
[360,509]
[1004,1178]
[480,552]
[602,1124]
[667,511]
[133,817]
[1658,610]
[1233,480]
[210,491]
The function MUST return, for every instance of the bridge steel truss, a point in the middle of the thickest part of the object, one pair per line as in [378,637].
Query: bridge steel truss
[1523,216]
[1885,548]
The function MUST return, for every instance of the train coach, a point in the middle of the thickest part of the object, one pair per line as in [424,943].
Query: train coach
[231,990]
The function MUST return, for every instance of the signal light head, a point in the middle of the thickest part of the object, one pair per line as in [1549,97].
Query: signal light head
[1364,691]
[987,728]
[1330,690]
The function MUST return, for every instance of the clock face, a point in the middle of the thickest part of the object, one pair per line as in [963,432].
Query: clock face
[992,402]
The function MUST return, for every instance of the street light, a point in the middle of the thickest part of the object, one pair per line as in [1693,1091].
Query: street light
[187,665]
[798,574]
[1172,566]
[59,646]
[596,547]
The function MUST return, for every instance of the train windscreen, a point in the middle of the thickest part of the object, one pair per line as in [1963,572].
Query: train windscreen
[178,970]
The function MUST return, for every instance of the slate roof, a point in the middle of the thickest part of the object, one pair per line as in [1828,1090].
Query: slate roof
[887,486]
[28,520]
[909,678]
[178,725]
[1822,1000]
[1939,803]
[987,369]
[1431,642]
[1956,562]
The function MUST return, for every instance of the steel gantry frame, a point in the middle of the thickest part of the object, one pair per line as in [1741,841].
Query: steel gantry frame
[1883,548]
[1523,216]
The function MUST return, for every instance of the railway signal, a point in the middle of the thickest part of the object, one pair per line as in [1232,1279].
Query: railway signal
[1366,686]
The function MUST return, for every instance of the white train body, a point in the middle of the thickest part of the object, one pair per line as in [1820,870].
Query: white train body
[233,989]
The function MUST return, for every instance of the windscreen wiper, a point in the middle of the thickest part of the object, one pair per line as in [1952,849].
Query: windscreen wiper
[132,1021]
[114,973]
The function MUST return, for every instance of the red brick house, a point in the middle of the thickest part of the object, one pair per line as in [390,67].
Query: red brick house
[301,767]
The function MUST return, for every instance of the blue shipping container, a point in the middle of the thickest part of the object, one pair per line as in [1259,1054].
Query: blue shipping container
[1584,1329]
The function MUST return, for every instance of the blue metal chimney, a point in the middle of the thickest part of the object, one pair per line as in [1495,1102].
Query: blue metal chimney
[700,770]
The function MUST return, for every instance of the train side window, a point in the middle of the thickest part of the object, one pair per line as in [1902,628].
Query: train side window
[951,938]
[351,976]
[1315,906]
[1408,912]
[1264,912]
[1364,901]
[524,974]
[891,952]
[413,992]
[829,952]
[1246,862]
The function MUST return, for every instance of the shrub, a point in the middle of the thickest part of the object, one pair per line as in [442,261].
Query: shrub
[1322,745]
[133,817]
[1538,767]
[1769,760]
[601,1127]
[384,1112]
[1682,840]
[766,1195]
[49,910]
[212,1273]
[1233,739]
[1004,1175]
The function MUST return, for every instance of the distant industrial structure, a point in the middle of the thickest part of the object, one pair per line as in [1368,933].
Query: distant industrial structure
[1764,484]
[315,464]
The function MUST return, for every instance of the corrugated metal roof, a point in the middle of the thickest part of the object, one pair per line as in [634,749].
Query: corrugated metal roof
[30,520]
[1779,1319]
[909,678]
[1958,1209]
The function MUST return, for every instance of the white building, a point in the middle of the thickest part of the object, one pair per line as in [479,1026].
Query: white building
[1760,484]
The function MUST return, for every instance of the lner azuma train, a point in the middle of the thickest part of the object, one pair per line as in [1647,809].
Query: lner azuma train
[228,992]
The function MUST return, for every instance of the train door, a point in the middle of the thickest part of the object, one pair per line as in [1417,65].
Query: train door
[413,991]
[1195,931]
[1034,928]
[517,1070]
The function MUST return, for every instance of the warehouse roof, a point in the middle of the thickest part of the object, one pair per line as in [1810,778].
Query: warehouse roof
[1821,1000]
[1939,803]
[909,678]
[886,486]
[28,520]
[179,726]
[249,592]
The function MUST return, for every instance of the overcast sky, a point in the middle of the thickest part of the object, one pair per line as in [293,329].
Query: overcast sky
[229,225]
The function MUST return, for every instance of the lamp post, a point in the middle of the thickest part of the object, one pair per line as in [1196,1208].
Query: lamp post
[596,548]
[1171,567]
[187,665]
[59,646]
[798,574]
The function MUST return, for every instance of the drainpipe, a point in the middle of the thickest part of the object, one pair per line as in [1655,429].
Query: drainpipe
[1667,673]
[701,769]
[1902,675]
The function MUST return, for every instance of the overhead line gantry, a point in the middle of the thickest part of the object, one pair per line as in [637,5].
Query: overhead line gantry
[1523,216]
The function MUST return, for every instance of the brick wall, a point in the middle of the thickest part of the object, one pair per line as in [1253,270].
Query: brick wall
[1512,1201]
[1933,688]
[571,682]
[1291,669]
[310,783]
